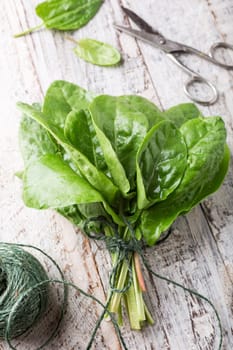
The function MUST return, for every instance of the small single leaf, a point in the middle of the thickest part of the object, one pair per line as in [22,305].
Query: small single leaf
[161,162]
[65,14]
[98,53]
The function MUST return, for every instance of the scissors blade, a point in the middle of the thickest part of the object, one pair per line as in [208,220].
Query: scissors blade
[139,21]
[149,38]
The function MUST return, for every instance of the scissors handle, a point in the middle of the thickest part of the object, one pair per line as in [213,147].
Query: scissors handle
[213,50]
[199,79]
[182,48]
[195,78]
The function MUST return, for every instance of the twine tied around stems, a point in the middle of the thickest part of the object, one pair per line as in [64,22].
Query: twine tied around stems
[117,243]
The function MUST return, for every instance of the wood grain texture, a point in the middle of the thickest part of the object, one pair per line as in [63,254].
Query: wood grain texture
[199,253]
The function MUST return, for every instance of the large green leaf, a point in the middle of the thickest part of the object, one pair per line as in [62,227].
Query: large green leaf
[77,131]
[208,159]
[217,180]
[161,162]
[67,14]
[182,113]
[96,178]
[121,124]
[50,183]
[80,132]
[34,140]
[63,97]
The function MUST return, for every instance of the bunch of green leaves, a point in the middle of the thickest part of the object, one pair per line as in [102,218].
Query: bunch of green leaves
[64,15]
[119,157]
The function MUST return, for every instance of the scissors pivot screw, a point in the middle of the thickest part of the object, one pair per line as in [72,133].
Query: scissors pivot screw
[162,41]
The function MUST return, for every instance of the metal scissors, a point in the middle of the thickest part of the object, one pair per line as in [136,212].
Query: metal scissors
[173,50]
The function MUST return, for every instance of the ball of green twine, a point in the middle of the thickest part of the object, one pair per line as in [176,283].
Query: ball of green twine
[19,272]
[24,294]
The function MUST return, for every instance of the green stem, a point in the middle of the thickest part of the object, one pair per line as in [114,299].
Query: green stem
[132,309]
[28,31]
[135,303]
[108,232]
[120,316]
[148,315]
[115,302]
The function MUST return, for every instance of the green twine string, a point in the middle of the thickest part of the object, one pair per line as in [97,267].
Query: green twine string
[32,285]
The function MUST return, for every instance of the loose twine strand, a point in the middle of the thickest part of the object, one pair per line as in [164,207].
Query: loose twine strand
[114,244]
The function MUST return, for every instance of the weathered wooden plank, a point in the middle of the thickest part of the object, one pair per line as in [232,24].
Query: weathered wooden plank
[191,255]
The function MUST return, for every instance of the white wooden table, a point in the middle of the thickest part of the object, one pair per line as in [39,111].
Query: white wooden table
[199,253]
